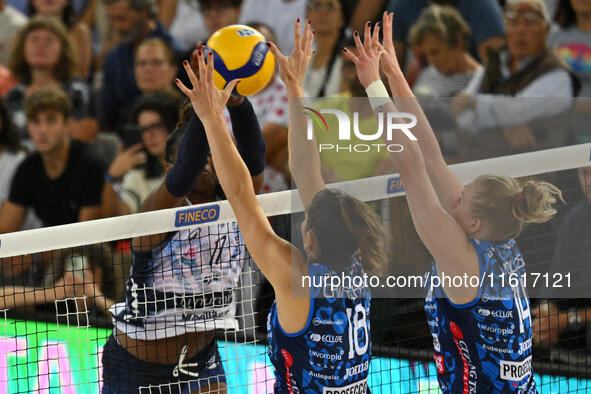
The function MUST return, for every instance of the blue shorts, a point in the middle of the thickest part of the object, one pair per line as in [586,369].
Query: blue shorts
[125,374]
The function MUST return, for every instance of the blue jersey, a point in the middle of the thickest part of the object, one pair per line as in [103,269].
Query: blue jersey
[331,353]
[485,346]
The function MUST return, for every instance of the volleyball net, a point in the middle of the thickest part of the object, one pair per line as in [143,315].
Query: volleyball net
[58,283]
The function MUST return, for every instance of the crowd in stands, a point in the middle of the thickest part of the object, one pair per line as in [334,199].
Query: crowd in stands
[88,98]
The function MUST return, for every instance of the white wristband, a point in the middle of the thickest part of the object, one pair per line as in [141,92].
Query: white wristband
[377,94]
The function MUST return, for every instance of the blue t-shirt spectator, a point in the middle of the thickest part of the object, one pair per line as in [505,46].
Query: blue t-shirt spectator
[119,86]
[483,16]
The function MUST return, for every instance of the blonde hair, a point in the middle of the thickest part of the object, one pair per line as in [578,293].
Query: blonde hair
[505,205]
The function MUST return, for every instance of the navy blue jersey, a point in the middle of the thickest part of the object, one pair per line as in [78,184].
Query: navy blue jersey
[484,346]
[331,353]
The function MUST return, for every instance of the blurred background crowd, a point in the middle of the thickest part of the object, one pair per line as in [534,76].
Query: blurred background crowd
[88,102]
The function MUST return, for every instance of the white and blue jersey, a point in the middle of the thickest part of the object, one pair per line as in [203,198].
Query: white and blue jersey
[484,346]
[331,354]
[186,284]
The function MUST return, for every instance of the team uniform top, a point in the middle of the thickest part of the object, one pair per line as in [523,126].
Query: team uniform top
[331,353]
[184,284]
[485,346]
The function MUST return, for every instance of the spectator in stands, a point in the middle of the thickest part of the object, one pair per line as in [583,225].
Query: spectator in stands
[220,13]
[565,320]
[329,20]
[43,56]
[79,31]
[278,15]
[11,152]
[139,170]
[184,20]
[506,96]
[133,21]
[443,38]
[154,66]
[61,181]
[11,21]
[484,18]
[572,43]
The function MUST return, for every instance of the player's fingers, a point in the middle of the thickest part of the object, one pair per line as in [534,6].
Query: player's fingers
[202,66]
[375,39]
[354,58]
[296,34]
[304,40]
[210,67]
[182,87]
[275,51]
[358,44]
[367,37]
[190,73]
[229,88]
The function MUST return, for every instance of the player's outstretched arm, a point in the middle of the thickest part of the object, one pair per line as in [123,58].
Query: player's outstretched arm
[442,235]
[304,159]
[272,254]
[447,185]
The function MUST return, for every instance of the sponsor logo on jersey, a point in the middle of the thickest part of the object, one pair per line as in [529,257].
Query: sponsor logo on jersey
[216,299]
[488,297]
[469,376]
[439,363]
[497,349]
[525,346]
[288,362]
[356,369]
[317,375]
[206,214]
[355,388]
[497,330]
[327,338]
[331,357]
[499,314]
[327,322]
[515,370]
[207,315]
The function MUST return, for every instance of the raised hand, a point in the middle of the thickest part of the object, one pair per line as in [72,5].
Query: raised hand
[293,68]
[206,99]
[389,61]
[127,160]
[367,60]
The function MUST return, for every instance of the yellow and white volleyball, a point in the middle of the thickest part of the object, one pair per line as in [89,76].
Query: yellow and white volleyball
[241,52]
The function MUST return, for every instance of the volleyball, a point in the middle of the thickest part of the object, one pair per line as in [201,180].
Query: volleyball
[240,52]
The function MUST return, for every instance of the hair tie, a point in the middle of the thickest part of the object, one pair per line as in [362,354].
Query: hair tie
[520,195]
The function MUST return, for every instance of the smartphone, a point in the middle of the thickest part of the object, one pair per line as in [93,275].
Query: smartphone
[131,135]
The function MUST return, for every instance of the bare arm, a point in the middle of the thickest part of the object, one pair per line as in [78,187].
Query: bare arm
[11,217]
[442,235]
[304,159]
[265,247]
[446,184]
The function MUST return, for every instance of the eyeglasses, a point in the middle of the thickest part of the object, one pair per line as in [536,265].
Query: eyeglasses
[158,126]
[153,63]
[530,18]
[327,5]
